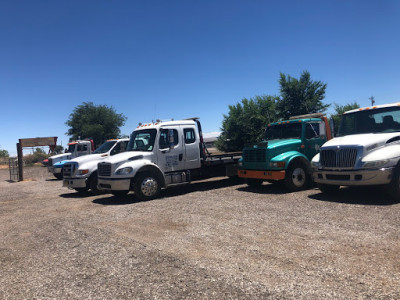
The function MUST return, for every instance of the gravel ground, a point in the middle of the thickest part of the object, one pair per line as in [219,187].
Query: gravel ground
[215,239]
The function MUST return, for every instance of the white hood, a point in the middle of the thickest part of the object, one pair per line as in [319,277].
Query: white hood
[87,158]
[121,157]
[363,140]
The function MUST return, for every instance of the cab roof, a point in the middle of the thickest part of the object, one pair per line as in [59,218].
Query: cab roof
[373,107]
[159,123]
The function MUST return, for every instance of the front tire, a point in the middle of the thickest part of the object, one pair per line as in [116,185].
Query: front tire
[297,177]
[394,186]
[93,185]
[59,176]
[147,186]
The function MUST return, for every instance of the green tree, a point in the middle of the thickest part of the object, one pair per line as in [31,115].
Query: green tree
[300,96]
[246,122]
[4,154]
[98,122]
[58,149]
[339,110]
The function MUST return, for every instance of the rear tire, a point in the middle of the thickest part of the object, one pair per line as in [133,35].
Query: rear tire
[328,188]
[147,186]
[297,177]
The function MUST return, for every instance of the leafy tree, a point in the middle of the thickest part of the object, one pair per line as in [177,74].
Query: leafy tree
[4,154]
[300,96]
[246,122]
[97,122]
[339,110]
[58,149]
[39,150]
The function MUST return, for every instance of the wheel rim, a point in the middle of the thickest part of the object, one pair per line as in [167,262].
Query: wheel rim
[149,187]
[298,177]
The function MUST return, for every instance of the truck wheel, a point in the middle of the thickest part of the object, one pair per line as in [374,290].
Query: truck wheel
[253,182]
[58,176]
[394,186]
[93,185]
[296,177]
[147,186]
[328,188]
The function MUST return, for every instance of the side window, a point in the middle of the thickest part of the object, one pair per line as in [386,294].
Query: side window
[312,130]
[117,149]
[164,139]
[82,147]
[190,138]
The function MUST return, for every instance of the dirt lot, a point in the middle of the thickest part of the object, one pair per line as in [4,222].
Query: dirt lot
[211,240]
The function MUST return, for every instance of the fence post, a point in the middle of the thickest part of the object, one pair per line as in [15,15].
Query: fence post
[20,162]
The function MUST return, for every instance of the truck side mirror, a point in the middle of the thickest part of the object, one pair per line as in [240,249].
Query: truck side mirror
[171,139]
[332,126]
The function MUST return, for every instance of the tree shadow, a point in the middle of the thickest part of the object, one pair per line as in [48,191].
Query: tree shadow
[367,195]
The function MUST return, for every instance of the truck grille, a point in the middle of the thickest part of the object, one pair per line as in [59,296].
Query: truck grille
[255,155]
[68,169]
[338,158]
[104,169]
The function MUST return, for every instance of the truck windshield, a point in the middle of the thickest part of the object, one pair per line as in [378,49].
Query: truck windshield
[105,147]
[71,148]
[283,131]
[142,140]
[371,121]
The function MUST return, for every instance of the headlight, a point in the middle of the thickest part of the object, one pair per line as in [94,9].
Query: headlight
[314,164]
[124,171]
[83,172]
[375,164]
[277,164]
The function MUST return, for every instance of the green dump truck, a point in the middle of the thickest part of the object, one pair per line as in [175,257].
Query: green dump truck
[286,151]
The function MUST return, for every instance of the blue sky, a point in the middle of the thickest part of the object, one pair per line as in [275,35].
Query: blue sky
[177,59]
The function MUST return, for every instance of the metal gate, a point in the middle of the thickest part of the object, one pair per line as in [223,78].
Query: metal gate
[13,167]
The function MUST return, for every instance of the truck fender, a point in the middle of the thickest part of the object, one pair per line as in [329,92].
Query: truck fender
[292,156]
[151,168]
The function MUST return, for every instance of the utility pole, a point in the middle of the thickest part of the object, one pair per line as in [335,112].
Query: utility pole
[372,100]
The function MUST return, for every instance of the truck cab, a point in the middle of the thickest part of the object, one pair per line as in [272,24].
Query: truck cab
[366,151]
[285,152]
[160,155]
[75,149]
[80,173]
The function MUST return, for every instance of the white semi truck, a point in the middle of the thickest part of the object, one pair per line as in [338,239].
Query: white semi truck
[75,149]
[80,173]
[366,151]
[161,155]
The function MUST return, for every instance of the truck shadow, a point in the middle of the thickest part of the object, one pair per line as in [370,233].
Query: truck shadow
[357,195]
[170,192]
[266,188]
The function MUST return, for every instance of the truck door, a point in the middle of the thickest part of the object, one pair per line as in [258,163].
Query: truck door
[170,149]
[191,142]
[315,136]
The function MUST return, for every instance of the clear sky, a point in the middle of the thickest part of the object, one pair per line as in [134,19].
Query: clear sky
[178,59]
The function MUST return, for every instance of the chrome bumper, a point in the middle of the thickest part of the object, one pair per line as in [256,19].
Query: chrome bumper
[74,183]
[356,177]
[114,184]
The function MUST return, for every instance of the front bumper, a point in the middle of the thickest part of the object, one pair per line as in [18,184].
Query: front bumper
[114,184]
[264,175]
[54,170]
[354,177]
[74,183]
